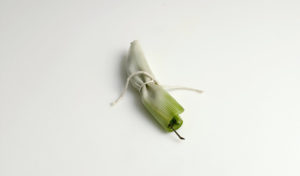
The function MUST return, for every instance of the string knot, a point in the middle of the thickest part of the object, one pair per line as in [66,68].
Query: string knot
[140,86]
[153,80]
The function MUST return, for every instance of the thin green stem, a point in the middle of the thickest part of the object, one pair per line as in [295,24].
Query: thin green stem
[180,137]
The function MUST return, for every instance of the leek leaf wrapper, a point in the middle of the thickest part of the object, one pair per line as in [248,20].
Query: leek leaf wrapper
[163,107]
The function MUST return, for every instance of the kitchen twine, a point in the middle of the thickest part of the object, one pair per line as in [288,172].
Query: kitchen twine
[153,80]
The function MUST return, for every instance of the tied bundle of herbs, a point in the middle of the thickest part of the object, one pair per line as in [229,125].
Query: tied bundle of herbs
[163,107]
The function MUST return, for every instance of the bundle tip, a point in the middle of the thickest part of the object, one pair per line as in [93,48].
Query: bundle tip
[134,42]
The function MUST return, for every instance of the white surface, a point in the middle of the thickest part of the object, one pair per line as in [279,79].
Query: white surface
[60,67]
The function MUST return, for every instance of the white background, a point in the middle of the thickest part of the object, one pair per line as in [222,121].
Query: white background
[61,65]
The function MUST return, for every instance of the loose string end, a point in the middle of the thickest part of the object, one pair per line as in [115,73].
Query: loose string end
[170,88]
[113,103]
[117,100]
